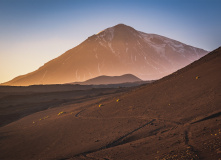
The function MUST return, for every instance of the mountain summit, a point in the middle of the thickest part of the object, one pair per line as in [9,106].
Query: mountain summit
[115,51]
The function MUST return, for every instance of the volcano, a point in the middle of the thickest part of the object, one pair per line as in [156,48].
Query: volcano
[114,51]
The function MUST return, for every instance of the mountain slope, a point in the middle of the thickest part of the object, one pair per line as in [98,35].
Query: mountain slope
[115,51]
[111,80]
[183,111]
[176,117]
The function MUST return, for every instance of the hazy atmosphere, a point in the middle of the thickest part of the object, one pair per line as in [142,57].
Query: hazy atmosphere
[36,31]
[110,80]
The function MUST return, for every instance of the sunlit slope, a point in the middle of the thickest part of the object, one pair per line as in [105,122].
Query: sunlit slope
[113,52]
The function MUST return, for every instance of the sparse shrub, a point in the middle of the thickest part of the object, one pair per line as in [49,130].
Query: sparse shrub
[60,113]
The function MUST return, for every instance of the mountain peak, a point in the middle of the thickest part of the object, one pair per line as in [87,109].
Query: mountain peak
[119,32]
[115,51]
[119,27]
[123,27]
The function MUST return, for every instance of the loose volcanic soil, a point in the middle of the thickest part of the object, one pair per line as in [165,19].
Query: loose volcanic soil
[177,117]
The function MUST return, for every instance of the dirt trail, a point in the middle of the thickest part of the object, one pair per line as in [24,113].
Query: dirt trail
[111,144]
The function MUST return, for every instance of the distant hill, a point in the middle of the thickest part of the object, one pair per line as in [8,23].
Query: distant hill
[100,80]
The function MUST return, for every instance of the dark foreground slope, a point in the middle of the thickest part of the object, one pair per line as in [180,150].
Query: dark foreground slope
[177,117]
[18,102]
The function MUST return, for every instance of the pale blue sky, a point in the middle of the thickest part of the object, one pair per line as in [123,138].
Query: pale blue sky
[33,32]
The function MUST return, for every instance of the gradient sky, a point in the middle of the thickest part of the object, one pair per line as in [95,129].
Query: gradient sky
[33,32]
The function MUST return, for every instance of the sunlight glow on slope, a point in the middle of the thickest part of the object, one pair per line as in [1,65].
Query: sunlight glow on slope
[34,32]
